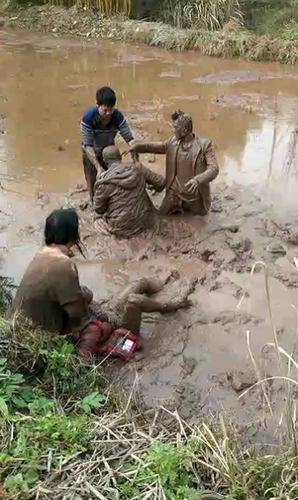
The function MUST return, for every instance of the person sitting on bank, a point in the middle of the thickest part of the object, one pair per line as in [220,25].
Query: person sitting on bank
[190,167]
[99,127]
[50,294]
[121,198]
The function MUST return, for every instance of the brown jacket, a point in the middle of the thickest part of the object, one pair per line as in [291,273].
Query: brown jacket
[50,293]
[122,200]
[205,167]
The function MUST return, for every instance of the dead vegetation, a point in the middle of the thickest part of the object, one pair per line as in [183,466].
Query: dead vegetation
[229,42]
[66,434]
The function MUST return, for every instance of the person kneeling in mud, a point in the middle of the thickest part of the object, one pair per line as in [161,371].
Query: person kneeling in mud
[121,199]
[50,294]
[190,167]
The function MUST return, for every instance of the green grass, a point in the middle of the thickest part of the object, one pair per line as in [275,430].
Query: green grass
[63,430]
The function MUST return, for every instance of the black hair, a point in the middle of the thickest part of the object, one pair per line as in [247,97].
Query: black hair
[106,96]
[180,115]
[62,227]
[177,115]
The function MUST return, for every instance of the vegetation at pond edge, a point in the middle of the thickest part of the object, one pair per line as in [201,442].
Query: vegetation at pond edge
[256,30]
[65,433]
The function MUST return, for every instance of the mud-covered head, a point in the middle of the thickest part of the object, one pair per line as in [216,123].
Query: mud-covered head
[106,101]
[62,228]
[111,154]
[182,124]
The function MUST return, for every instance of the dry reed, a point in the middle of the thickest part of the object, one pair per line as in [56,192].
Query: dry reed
[226,43]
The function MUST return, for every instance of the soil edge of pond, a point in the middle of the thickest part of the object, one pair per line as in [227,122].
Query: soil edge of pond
[230,42]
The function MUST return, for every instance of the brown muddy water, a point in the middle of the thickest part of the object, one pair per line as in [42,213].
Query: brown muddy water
[196,360]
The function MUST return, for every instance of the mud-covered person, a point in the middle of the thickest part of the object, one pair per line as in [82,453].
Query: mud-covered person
[99,127]
[50,294]
[190,167]
[121,199]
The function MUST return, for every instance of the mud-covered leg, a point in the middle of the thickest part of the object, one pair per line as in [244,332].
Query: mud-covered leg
[133,298]
[142,286]
[170,204]
[196,207]
[168,299]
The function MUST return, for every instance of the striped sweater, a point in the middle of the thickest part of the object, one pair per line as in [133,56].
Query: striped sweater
[98,135]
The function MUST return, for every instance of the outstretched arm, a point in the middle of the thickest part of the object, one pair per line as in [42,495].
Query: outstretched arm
[93,158]
[88,140]
[155,180]
[124,130]
[158,148]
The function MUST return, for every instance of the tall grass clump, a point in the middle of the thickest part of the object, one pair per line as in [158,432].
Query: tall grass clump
[205,14]
[6,293]
[105,7]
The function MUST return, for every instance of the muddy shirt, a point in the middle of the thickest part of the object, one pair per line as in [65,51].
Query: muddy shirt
[184,172]
[122,200]
[205,167]
[50,293]
[98,135]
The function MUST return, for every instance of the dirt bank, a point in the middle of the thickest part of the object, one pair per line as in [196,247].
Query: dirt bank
[229,42]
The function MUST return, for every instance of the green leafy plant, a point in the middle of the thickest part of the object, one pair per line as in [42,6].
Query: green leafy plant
[93,400]
[58,361]
[10,389]
[172,466]
[21,482]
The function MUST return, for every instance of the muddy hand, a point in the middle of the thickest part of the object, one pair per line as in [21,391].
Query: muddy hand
[151,189]
[192,186]
[130,150]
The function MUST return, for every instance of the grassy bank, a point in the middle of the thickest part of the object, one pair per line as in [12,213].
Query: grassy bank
[231,41]
[66,434]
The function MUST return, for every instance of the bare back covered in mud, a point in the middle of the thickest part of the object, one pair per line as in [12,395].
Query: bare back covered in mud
[195,359]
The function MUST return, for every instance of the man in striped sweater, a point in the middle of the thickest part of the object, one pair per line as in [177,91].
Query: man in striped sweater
[99,127]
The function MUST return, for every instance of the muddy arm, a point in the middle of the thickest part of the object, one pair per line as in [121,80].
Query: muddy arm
[154,179]
[125,131]
[212,169]
[90,152]
[69,294]
[101,198]
[159,148]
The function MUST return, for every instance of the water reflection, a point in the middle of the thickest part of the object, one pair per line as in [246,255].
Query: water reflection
[248,109]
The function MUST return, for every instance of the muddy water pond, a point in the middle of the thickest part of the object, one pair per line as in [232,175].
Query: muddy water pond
[200,360]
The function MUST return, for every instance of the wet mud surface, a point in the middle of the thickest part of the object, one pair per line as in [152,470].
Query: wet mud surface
[195,359]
